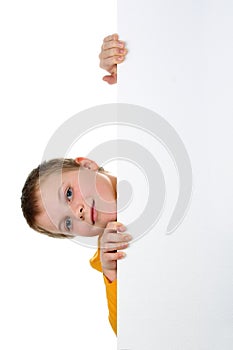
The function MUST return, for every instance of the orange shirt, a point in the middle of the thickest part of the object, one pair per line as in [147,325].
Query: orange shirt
[111,291]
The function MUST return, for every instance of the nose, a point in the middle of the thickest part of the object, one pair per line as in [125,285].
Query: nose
[79,212]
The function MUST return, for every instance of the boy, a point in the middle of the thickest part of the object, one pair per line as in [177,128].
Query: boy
[64,198]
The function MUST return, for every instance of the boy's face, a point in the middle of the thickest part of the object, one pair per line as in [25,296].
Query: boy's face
[80,202]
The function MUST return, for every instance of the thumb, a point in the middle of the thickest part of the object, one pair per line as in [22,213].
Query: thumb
[110,79]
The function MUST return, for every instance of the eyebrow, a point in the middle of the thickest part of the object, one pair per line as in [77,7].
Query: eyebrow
[60,192]
[60,225]
[60,198]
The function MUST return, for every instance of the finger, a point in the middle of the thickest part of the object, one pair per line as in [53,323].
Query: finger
[107,231]
[114,228]
[110,247]
[114,43]
[110,79]
[115,256]
[114,36]
[110,63]
[113,52]
[114,225]
[117,237]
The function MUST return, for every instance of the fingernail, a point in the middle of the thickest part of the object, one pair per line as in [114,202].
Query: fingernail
[123,255]
[120,43]
[122,228]
[128,237]
[120,58]
[121,51]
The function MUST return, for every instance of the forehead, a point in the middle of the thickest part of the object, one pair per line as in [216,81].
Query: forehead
[54,181]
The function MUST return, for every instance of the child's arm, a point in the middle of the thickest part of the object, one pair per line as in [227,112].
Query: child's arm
[113,52]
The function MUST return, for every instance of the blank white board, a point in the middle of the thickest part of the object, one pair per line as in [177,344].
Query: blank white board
[175,291]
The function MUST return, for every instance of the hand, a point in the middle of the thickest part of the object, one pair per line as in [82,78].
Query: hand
[110,241]
[112,53]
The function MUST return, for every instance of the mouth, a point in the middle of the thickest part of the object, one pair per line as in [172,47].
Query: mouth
[93,212]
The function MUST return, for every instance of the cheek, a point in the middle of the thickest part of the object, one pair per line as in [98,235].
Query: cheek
[111,216]
[84,186]
[104,190]
[87,230]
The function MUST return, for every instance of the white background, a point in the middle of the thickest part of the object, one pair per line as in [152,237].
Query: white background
[50,296]
[175,292]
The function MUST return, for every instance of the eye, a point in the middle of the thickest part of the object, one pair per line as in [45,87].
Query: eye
[69,194]
[68,224]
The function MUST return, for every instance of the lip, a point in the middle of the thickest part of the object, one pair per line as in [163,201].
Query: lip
[93,213]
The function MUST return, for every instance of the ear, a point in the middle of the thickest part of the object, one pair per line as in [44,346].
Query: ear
[87,163]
